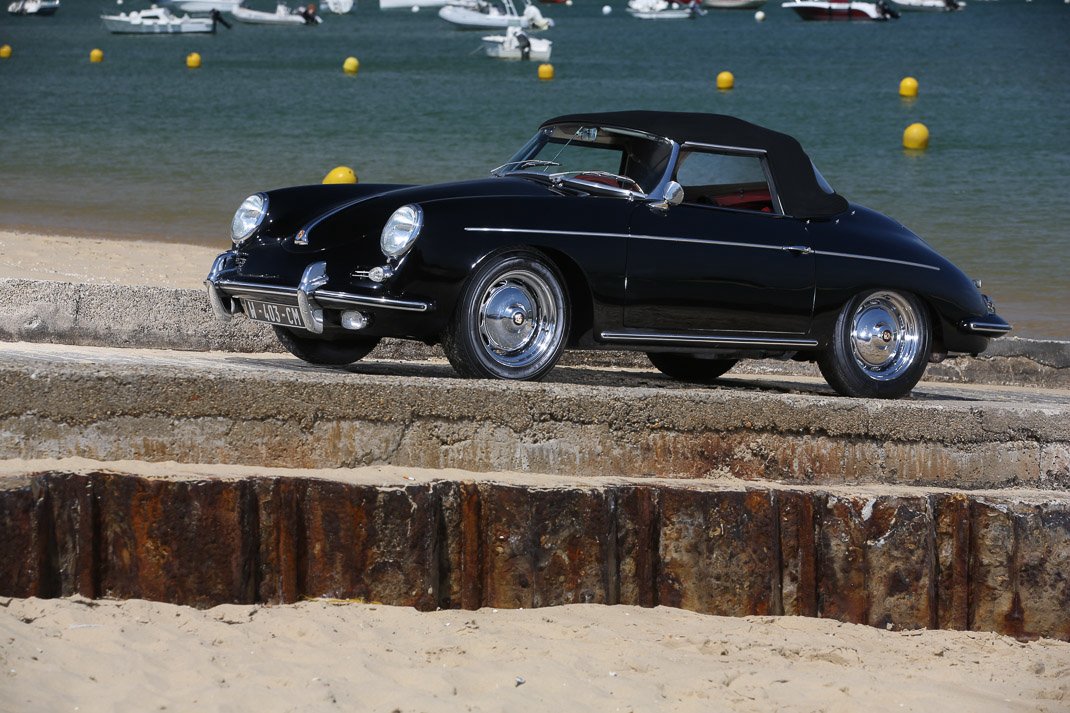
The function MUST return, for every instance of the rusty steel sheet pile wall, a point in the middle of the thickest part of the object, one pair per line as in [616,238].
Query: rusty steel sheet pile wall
[914,559]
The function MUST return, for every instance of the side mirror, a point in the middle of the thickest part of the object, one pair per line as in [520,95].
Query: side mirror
[673,195]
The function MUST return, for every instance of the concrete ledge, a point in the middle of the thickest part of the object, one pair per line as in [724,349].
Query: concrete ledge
[899,559]
[276,411]
[160,318]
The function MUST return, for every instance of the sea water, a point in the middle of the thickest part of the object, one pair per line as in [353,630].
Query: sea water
[141,146]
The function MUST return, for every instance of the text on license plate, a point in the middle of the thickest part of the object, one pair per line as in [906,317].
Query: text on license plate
[286,315]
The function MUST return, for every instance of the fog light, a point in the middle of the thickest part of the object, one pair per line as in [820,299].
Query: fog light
[354,320]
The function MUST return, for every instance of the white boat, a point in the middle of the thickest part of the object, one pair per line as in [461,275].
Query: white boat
[733,4]
[664,10]
[41,8]
[842,10]
[201,6]
[407,4]
[283,15]
[156,21]
[485,16]
[514,44]
[339,7]
[937,5]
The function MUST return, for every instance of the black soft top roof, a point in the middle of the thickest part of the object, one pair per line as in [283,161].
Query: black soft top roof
[792,169]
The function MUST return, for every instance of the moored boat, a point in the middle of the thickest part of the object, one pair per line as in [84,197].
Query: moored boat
[935,5]
[407,4]
[486,16]
[199,6]
[283,15]
[515,44]
[664,10]
[157,21]
[733,4]
[40,8]
[840,10]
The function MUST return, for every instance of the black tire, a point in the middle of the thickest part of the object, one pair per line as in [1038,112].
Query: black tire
[880,345]
[687,367]
[335,352]
[484,338]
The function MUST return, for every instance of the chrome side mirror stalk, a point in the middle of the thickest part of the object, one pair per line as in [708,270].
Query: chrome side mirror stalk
[672,195]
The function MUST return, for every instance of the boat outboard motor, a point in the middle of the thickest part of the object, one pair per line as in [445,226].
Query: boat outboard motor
[217,16]
[524,43]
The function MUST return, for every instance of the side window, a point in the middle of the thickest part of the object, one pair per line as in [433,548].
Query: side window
[724,180]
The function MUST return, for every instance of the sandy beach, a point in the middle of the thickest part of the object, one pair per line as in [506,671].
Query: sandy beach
[80,655]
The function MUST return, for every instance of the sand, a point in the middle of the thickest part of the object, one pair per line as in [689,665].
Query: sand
[78,655]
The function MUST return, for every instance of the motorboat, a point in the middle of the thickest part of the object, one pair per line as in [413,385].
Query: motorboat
[515,44]
[157,21]
[339,7]
[407,4]
[937,5]
[841,10]
[283,15]
[199,6]
[41,8]
[484,15]
[664,10]
[733,4]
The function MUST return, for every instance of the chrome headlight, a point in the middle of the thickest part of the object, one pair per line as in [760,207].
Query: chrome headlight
[248,218]
[401,230]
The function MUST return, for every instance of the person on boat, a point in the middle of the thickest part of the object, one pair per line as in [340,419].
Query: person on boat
[309,13]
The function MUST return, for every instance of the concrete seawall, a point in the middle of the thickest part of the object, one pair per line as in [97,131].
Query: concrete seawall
[162,318]
[899,559]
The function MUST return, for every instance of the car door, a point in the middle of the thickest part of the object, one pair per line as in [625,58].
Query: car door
[725,260]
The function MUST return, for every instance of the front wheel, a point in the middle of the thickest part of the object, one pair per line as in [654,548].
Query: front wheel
[880,346]
[512,319]
[687,367]
[336,352]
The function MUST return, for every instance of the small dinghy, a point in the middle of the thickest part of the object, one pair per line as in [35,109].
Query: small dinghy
[515,44]
[841,10]
[283,15]
[157,21]
[40,8]
[664,10]
[486,16]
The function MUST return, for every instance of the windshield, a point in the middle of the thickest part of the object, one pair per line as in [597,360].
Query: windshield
[572,149]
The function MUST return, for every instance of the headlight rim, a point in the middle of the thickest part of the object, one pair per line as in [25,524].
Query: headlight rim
[237,239]
[417,224]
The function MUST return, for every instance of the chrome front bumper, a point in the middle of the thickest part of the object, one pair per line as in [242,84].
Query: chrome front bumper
[311,298]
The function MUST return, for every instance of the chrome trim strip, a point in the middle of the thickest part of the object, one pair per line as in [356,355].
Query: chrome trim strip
[341,300]
[703,241]
[988,327]
[547,232]
[669,338]
[851,256]
[238,288]
[327,298]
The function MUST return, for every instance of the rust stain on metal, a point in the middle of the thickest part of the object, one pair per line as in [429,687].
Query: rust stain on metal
[949,560]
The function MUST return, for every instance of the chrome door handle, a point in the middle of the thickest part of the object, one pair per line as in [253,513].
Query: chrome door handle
[800,249]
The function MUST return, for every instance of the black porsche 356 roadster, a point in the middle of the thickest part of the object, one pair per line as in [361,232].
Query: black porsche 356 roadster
[699,239]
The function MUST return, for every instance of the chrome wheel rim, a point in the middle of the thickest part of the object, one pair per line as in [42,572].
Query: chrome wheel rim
[885,336]
[519,319]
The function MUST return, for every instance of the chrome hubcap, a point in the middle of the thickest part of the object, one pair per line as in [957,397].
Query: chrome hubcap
[518,319]
[885,336]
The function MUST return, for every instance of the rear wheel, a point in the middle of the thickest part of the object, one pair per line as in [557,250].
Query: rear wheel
[687,367]
[512,319]
[880,346]
[335,352]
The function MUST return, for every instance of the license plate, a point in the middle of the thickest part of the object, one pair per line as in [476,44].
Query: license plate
[286,315]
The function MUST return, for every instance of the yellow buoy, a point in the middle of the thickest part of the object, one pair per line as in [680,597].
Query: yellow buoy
[908,87]
[351,65]
[916,137]
[193,60]
[340,174]
[5,51]
[96,56]
[546,71]
[725,80]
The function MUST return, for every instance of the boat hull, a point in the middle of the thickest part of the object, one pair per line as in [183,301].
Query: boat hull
[733,4]
[495,48]
[837,11]
[256,17]
[123,26]
[465,19]
[199,5]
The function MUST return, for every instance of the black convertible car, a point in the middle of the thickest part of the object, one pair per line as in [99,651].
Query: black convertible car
[697,238]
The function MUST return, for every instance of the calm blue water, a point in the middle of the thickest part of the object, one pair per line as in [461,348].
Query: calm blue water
[139,146]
